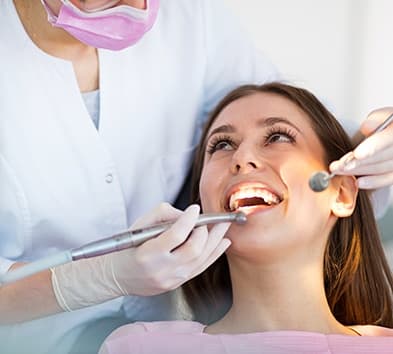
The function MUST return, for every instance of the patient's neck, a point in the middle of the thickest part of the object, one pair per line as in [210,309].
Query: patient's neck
[277,297]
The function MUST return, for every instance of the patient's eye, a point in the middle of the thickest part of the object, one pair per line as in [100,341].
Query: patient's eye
[217,143]
[280,135]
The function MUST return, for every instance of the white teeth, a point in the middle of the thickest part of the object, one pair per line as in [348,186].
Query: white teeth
[247,193]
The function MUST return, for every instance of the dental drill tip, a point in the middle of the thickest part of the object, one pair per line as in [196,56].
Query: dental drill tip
[319,181]
[241,218]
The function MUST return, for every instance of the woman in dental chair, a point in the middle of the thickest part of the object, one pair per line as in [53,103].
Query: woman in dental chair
[307,272]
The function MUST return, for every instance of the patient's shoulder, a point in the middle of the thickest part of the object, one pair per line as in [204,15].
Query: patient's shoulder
[132,333]
[377,331]
[169,326]
[159,326]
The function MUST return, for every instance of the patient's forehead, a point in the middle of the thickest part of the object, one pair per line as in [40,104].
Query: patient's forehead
[250,110]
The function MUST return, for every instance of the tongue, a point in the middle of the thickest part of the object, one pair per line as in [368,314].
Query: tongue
[251,202]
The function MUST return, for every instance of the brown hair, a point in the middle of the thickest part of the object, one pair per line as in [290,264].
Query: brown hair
[357,277]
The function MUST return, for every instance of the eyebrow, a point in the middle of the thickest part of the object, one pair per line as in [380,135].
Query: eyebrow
[264,122]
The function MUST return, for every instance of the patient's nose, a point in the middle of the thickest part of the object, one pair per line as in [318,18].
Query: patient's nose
[245,160]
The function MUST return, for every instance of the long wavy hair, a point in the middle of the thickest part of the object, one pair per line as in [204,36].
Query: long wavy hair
[357,278]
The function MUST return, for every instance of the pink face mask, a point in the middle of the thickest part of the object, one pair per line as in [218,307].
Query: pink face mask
[115,28]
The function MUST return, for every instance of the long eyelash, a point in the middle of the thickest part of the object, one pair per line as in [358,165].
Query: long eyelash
[290,134]
[212,145]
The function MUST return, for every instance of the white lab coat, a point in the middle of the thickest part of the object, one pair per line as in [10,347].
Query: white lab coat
[63,183]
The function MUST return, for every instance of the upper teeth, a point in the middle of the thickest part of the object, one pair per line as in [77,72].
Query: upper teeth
[268,197]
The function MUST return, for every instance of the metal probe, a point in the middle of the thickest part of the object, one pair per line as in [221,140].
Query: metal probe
[121,241]
[319,181]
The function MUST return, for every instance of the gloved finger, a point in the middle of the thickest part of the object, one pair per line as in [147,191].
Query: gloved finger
[178,269]
[217,252]
[374,119]
[344,164]
[188,253]
[177,233]
[161,213]
[382,156]
[374,144]
[377,147]
[375,181]
[339,165]
[216,234]
[369,169]
[188,272]
[194,244]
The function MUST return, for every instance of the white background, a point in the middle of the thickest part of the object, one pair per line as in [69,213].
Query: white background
[340,49]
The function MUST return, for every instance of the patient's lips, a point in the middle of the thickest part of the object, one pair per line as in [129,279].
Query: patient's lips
[251,197]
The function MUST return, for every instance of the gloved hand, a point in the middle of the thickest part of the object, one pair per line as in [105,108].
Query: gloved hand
[374,156]
[158,265]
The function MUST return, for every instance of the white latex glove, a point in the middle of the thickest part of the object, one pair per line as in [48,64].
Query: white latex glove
[374,156]
[158,265]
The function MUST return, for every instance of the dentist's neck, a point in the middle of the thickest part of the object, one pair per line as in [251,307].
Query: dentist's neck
[52,40]
[35,21]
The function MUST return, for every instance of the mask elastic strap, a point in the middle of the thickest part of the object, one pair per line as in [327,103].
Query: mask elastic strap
[52,18]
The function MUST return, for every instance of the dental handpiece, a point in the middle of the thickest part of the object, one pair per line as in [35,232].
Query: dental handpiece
[134,238]
[118,242]
[319,181]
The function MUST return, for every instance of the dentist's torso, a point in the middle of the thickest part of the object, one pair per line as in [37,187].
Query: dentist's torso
[63,182]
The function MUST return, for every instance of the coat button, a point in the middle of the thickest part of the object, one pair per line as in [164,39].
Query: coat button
[109,178]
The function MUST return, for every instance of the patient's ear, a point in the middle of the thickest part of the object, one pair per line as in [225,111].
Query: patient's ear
[346,193]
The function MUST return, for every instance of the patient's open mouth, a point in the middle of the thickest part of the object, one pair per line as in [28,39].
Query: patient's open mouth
[251,197]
